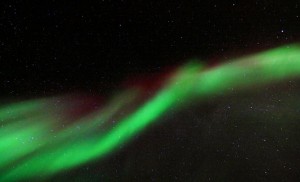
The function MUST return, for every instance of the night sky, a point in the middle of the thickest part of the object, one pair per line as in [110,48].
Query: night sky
[53,47]
[93,47]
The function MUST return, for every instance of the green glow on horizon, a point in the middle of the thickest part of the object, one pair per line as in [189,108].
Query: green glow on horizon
[190,82]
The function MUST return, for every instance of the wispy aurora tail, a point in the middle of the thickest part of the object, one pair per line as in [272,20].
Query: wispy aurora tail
[45,148]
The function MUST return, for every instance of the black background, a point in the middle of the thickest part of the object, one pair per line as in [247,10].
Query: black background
[54,47]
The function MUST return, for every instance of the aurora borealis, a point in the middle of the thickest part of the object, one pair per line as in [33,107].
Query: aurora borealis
[40,141]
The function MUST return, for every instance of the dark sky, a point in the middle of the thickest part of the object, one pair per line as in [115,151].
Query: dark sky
[59,46]
[52,47]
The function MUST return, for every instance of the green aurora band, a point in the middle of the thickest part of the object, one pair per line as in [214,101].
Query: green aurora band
[35,147]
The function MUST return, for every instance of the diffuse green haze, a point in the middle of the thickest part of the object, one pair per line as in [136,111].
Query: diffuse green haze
[189,82]
[33,134]
[19,110]
[266,67]
[75,153]
[20,142]
[93,121]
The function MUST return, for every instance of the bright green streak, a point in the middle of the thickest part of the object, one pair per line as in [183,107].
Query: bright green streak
[74,154]
[267,67]
[188,83]
[129,126]
[22,136]
[24,141]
